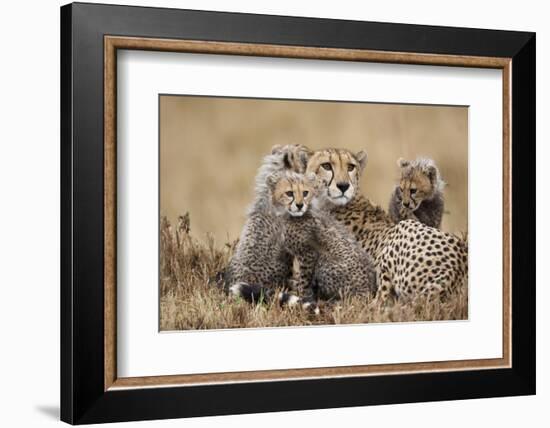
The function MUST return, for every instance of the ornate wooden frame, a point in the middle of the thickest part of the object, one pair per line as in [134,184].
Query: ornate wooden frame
[91,390]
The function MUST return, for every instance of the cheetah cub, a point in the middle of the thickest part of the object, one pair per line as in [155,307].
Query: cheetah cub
[331,263]
[260,264]
[419,194]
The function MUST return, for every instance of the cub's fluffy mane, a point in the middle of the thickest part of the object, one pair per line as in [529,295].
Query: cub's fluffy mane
[271,164]
[282,158]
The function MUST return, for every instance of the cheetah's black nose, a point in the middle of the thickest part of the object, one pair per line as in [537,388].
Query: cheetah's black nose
[299,206]
[343,187]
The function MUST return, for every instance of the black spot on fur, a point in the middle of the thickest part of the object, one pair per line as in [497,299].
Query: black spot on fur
[286,161]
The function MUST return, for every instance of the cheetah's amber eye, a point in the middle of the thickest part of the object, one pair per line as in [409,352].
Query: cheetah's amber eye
[326,166]
[351,167]
[413,191]
[306,193]
[289,193]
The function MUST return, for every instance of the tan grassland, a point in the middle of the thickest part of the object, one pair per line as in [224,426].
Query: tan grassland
[210,149]
[191,299]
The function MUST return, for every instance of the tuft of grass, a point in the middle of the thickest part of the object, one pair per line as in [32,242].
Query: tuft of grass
[191,299]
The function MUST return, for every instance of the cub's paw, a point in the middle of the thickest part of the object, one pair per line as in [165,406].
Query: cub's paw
[288,299]
[311,307]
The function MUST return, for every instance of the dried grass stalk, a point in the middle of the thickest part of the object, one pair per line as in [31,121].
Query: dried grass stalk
[190,300]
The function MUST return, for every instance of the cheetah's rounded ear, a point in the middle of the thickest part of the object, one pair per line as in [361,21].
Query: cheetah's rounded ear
[403,163]
[431,172]
[362,159]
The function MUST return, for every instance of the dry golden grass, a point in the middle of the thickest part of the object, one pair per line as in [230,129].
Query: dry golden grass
[190,300]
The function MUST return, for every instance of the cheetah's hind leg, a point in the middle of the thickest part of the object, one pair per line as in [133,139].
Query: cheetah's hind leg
[438,290]
[386,287]
[385,291]
[432,292]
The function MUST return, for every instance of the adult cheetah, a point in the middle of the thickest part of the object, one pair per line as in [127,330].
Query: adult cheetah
[410,258]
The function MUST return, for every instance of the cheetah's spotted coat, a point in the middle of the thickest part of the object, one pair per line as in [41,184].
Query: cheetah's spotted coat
[410,257]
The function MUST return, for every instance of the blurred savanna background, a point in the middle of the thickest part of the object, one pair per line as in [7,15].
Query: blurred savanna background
[210,149]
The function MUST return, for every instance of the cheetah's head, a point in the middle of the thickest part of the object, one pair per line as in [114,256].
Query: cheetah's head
[340,171]
[292,193]
[420,180]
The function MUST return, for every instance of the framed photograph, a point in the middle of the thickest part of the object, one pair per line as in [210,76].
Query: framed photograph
[266,213]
